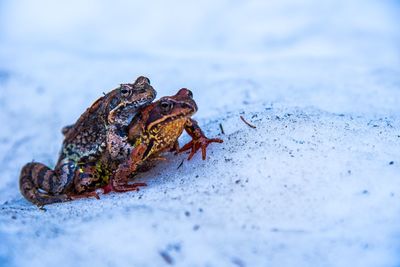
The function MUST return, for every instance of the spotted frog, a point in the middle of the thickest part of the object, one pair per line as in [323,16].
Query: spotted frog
[156,129]
[101,129]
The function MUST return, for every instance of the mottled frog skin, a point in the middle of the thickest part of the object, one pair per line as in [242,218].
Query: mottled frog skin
[102,129]
[156,129]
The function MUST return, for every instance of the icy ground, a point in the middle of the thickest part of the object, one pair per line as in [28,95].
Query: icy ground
[317,183]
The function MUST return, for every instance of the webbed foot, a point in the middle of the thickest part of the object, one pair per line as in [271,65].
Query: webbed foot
[200,143]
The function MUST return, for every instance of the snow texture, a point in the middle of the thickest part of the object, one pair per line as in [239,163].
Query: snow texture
[317,183]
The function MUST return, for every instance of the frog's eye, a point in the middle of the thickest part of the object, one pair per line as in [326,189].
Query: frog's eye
[166,106]
[124,91]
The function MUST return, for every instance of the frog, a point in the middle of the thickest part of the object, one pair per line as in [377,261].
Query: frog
[101,129]
[154,131]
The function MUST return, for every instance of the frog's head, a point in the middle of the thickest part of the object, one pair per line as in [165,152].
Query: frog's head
[170,110]
[130,97]
[163,121]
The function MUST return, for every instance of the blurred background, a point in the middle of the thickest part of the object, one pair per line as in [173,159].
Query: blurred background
[297,191]
[57,57]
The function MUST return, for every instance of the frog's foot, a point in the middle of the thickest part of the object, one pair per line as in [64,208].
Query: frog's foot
[119,187]
[84,195]
[200,143]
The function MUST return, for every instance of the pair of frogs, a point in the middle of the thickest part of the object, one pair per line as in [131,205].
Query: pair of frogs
[121,134]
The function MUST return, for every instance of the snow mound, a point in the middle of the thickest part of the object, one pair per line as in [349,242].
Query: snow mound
[320,187]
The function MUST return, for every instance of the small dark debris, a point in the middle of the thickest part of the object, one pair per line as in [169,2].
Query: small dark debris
[247,123]
[42,208]
[349,171]
[180,165]
[228,159]
[391,163]
[200,210]
[196,227]
[187,213]
[167,258]
[237,181]
[365,192]
[221,128]
[14,217]
[197,176]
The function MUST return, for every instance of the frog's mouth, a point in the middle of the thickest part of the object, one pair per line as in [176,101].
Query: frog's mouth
[173,118]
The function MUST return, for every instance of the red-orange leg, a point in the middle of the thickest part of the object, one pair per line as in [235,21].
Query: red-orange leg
[120,180]
[199,140]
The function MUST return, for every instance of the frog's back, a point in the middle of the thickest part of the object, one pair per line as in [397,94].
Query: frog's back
[87,137]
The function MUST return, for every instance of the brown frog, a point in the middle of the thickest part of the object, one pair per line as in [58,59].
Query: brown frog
[156,129]
[101,129]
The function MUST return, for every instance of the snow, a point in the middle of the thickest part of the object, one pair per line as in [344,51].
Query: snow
[315,184]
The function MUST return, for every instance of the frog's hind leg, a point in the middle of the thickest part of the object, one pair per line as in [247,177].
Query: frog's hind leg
[35,183]
[85,182]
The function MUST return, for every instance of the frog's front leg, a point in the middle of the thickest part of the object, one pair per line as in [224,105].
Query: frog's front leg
[175,148]
[120,179]
[199,140]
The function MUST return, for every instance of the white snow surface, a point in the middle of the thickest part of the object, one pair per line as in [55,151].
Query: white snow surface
[317,183]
